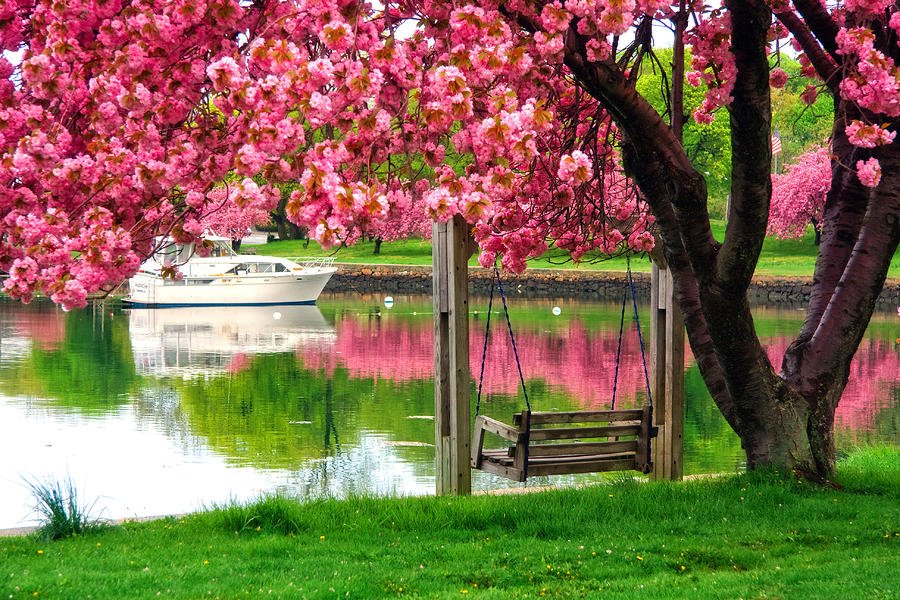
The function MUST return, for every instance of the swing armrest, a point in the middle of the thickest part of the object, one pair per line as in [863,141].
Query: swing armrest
[497,428]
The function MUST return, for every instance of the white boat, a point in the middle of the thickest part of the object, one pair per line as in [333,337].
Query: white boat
[178,276]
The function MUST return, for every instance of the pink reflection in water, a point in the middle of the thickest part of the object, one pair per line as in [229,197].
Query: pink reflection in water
[580,362]
[46,329]
[873,374]
[572,359]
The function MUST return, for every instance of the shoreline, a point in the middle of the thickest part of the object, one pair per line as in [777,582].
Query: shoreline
[792,292]
[368,278]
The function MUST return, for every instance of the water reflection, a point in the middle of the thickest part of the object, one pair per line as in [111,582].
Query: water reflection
[191,341]
[165,410]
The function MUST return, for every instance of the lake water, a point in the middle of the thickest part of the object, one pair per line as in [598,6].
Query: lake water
[153,412]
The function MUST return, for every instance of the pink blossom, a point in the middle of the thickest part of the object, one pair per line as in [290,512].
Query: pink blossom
[575,167]
[778,78]
[869,172]
[809,95]
[868,136]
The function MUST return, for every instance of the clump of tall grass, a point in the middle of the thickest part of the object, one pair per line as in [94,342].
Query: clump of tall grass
[273,513]
[62,515]
[871,470]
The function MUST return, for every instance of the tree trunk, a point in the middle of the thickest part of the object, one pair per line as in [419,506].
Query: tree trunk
[784,419]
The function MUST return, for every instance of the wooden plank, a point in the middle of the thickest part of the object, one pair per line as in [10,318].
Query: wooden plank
[572,433]
[520,458]
[541,418]
[483,423]
[642,459]
[584,448]
[580,458]
[442,400]
[667,377]
[580,467]
[477,442]
[505,457]
[451,352]
[674,385]
[458,304]
[439,272]
[504,471]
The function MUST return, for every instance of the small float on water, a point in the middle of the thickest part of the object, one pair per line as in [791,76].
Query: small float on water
[178,275]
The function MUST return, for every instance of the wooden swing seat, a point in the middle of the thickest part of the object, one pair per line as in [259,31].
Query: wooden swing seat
[563,443]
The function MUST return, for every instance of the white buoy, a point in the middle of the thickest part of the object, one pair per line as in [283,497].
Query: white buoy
[276,315]
[556,311]
[389,301]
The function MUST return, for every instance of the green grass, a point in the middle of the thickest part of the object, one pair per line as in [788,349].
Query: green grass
[760,535]
[779,258]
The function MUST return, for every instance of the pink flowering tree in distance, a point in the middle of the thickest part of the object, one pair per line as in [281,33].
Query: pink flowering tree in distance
[240,207]
[123,119]
[798,195]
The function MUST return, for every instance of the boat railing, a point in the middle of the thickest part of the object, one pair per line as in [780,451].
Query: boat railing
[314,262]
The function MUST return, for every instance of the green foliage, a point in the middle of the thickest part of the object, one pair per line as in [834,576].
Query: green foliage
[753,536]
[709,146]
[801,125]
[62,515]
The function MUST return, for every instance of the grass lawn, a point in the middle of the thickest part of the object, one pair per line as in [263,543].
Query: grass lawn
[760,535]
[779,258]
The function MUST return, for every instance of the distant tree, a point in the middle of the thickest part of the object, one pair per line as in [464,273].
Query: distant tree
[798,195]
[238,211]
[407,218]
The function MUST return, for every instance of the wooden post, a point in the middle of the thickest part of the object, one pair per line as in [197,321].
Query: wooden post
[666,376]
[450,255]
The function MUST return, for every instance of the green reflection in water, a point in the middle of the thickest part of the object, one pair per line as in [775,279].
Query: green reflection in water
[90,369]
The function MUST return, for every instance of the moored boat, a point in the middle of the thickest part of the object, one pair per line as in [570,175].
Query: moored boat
[176,275]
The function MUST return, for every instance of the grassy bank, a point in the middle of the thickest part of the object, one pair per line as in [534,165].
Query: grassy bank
[779,258]
[756,536]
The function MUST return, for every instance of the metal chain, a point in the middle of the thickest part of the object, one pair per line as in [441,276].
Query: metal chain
[487,333]
[512,339]
[619,351]
[637,321]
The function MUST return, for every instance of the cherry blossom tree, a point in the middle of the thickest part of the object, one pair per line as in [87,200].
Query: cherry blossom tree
[798,195]
[406,218]
[241,207]
[124,117]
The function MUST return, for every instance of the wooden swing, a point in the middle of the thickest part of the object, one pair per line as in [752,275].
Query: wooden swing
[563,443]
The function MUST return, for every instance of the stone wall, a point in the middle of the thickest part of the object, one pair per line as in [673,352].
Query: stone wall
[560,283]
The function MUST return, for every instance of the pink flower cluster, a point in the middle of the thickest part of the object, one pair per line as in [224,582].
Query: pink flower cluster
[712,63]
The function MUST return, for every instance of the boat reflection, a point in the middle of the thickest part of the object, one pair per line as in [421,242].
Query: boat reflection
[201,341]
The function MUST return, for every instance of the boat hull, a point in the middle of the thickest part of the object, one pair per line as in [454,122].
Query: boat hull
[257,289]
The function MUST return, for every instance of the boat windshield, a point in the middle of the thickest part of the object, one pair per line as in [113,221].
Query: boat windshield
[178,254]
[220,247]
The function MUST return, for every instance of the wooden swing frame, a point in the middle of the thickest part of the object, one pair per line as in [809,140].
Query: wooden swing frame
[565,443]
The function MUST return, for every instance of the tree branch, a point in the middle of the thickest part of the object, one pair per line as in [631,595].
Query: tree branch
[821,61]
[676,194]
[750,111]
[842,217]
[821,25]
[845,319]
